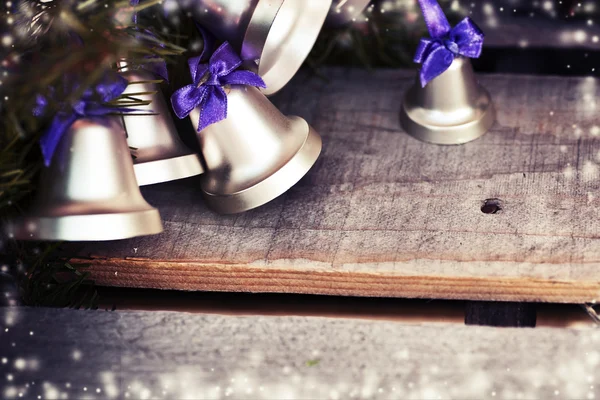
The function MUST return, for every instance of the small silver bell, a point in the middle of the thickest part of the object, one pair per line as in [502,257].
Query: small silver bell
[451,109]
[160,155]
[345,11]
[89,192]
[276,34]
[255,154]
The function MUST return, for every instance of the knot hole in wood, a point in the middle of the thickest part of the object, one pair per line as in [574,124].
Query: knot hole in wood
[492,206]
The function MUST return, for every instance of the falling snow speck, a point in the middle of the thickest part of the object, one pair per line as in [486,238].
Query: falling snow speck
[19,364]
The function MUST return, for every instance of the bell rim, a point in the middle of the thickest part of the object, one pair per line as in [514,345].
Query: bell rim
[271,187]
[84,228]
[289,62]
[168,169]
[450,135]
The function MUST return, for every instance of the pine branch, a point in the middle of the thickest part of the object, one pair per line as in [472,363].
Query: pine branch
[54,40]
[51,41]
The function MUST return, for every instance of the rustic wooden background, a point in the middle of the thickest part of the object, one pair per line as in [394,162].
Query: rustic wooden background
[165,355]
[382,214]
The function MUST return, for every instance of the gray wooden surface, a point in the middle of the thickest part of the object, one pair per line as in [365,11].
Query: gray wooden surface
[382,214]
[143,355]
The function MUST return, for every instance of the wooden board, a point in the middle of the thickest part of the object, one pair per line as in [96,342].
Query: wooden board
[382,214]
[162,355]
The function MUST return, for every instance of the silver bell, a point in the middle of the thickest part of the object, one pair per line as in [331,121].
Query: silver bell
[255,154]
[89,192]
[451,109]
[160,155]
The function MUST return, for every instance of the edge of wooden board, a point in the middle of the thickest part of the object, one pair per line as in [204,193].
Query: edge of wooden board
[197,276]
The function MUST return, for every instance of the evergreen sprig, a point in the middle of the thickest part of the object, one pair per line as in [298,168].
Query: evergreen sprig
[52,41]
[56,283]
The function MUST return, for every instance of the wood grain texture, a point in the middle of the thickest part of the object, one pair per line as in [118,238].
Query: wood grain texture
[165,355]
[382,214]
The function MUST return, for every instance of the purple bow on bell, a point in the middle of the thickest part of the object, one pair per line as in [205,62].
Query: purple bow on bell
[438,52]
[91,104]
[207,90]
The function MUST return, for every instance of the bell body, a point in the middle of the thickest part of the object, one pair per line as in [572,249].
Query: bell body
[451,109]
[345,11]
[89,192]
[255,154]
[160,155]
[275,35]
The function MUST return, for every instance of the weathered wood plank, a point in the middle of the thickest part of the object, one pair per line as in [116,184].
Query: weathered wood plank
[382,214]
[141,355]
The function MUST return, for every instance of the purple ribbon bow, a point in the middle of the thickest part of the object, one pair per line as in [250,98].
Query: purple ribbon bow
[207,90]
[438,52]
[91,104]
